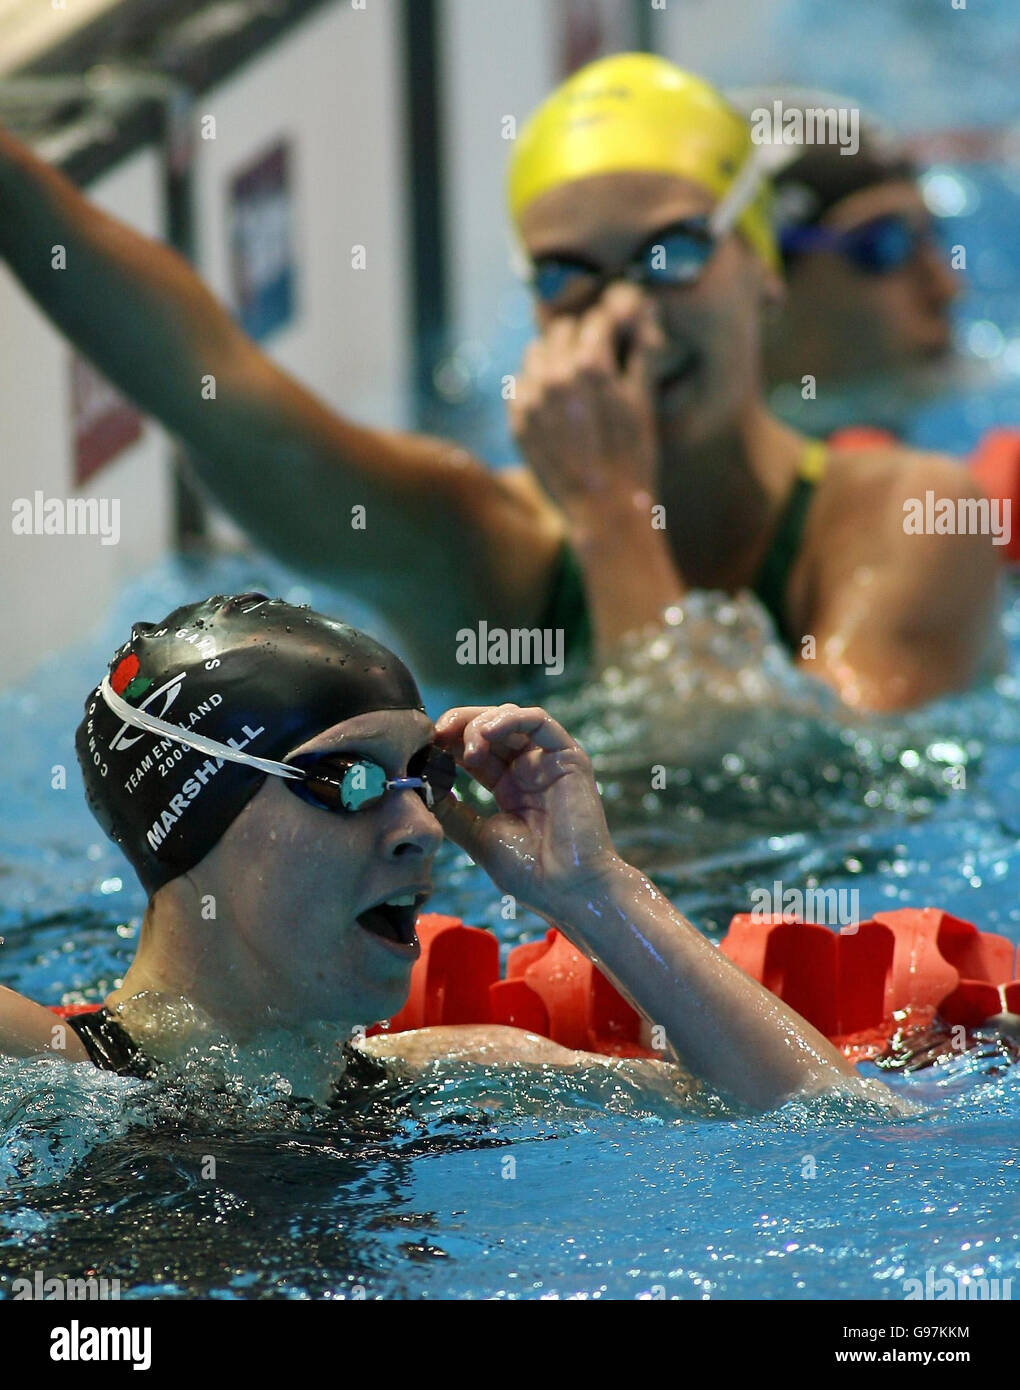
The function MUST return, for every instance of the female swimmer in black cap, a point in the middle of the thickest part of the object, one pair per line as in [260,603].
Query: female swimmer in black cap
[274,779]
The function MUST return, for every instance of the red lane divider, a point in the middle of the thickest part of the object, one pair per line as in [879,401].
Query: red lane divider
[859,987]
[550,988]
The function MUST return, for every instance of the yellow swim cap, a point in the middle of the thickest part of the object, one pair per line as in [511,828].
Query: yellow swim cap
[635,111]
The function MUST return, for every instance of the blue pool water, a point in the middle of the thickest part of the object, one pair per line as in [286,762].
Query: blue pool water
[616,1192]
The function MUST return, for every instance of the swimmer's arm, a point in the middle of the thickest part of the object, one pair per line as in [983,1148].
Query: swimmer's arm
[483,1044]
[725,1028]
[630,575]
[583,417]
[27,1029]
[499,1045]
[916,620]
[548,845]
[445,541]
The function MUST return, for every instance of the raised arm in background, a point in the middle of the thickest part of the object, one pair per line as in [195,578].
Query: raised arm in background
[447,542]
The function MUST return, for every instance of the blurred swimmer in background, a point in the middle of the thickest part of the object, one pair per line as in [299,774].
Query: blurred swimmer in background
[869,286]
[652,464]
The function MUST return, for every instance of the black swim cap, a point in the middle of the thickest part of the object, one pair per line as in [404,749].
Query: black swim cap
[813,178]
[811,185]
[249,671]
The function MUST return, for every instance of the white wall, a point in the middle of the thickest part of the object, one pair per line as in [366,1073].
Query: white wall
[54,587]
[28,27]
[497,60]
[334,85]
[731,42]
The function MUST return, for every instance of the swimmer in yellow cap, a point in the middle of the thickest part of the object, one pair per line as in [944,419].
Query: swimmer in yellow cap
[642,206]
[869,283]
[641,209]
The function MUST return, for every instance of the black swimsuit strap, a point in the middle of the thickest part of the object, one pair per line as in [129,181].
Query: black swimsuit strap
[109,1045]
[567,604]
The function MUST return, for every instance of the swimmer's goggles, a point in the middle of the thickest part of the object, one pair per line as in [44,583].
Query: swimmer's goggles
[337,783]
[329,781]
[878,247]
[675,255]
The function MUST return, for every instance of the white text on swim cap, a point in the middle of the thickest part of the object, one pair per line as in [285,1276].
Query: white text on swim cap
[191,787]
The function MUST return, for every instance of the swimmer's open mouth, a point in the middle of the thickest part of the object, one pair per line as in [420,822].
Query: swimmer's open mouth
[394,920]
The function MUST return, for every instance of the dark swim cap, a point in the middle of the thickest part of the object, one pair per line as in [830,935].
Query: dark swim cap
[811,185]
[251,672]
[813,178]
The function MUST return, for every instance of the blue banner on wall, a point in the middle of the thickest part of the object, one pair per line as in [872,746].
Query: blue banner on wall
[261,238]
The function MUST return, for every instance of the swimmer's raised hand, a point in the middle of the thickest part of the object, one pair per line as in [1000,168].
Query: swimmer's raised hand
[548,839]
[548,845]
[584,417]
[583,412]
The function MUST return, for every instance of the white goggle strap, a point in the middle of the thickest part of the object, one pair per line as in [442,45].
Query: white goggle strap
[416,784]
[138,719]
[743,190]
[520,262]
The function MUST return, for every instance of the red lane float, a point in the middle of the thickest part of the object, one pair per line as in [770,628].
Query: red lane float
[861,437]
[860,987]
[995,464]
[897,969]
[550,988]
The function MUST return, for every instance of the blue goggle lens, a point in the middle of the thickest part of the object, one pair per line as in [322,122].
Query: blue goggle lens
[361,785]
[354,784]
[887,244]
[677,258]
[555,280]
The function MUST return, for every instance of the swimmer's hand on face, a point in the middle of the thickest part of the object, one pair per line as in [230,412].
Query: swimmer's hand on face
[548,841]
[583,414]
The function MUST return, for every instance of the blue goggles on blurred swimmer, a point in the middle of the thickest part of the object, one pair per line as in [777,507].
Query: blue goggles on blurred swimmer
[676,255]
[879,247]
